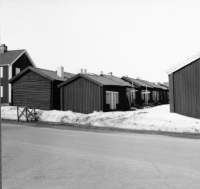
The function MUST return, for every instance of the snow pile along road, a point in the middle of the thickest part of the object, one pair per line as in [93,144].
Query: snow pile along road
[156,119]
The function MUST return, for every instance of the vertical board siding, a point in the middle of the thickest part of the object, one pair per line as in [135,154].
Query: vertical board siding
[31,89]
[81,96]
[186,90]
[171,92]
[197,81]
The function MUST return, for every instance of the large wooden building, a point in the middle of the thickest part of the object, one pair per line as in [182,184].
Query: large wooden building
[86,93]
[184,87]
[34,87]
[11,63]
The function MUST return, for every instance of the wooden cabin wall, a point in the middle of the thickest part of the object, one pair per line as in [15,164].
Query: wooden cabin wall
[31,89]
[186,90]
[81,96]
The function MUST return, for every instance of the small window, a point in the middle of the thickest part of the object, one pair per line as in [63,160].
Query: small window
[107,97]
[17,70]
[145,94]
[1,72]
[157,95]
[154,95]
[1,91]
[117,97]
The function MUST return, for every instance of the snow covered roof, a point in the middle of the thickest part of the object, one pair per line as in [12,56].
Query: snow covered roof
[184,63]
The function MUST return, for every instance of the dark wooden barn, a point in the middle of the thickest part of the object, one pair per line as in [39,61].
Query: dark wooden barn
[140,88]
[34,87]
[184,87]
[85,93]
[11,63]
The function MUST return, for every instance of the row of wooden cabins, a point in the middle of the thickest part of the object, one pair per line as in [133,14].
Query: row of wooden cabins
[84,93]
[26,85]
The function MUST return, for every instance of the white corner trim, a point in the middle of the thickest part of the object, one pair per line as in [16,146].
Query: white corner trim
[17,58]
[27,54]
[9,85]
[183,63]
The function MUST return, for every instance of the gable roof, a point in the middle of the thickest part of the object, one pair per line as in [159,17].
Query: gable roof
[163,87]
[166,84]
[51,75]
[99,80]
[184,63]
[136,82]
[151,84]
[10,57]
[118,80]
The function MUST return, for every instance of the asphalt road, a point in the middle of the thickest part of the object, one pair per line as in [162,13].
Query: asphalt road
[49,158]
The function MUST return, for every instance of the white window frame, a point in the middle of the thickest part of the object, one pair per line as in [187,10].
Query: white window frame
[1,72]
[112,98]
[17,70]
[1,91]
[117,97]
[108,97]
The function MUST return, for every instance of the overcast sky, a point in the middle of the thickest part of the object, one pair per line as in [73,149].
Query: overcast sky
[138,38]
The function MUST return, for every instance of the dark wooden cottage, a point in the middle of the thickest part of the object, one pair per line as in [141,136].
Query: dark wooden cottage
[130,89]
[140,87]
[158,93]
[85,93]
[165,99]
[184,87]
[11,63]
[34,87]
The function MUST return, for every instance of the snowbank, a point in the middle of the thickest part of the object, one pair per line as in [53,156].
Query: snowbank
[157,119]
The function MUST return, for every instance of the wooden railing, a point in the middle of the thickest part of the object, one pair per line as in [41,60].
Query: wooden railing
[28,112]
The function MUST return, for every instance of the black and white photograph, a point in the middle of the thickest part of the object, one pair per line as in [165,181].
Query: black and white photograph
[100,94]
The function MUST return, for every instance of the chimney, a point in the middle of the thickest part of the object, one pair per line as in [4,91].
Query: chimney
[3,49]
[110,73]
[60,71]
[85,71]
[100,73]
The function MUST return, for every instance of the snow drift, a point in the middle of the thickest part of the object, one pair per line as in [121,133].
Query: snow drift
[155,119]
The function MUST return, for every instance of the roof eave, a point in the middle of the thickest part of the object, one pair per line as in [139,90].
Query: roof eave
[16,58]
[79,75]
[183,63]
[32,69]
[31,60]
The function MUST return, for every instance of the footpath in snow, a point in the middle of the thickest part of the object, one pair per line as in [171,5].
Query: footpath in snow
[155,119]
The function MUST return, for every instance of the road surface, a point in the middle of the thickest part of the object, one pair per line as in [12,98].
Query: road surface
[60,159]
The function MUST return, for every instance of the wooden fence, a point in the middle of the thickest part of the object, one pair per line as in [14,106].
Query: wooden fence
[27,112]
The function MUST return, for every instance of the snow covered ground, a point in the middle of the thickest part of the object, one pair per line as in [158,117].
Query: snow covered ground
[156,119]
